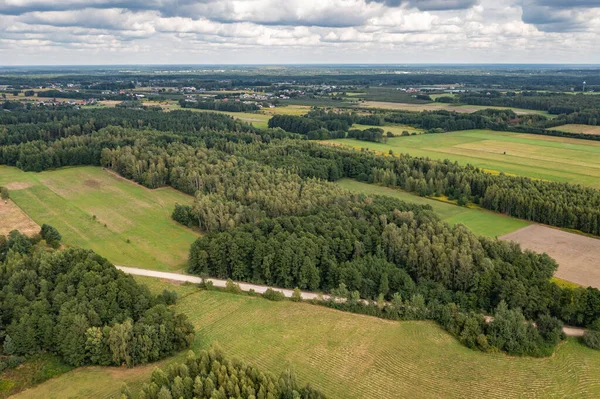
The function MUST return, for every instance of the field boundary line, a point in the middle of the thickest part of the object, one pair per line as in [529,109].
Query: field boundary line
[568,330]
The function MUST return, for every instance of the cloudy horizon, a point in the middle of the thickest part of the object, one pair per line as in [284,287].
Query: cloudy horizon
[118,32]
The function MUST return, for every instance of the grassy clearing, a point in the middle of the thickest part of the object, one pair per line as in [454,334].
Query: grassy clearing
[395,129]
[286,110]
[350,356]
[541,157]
[564,283]
[577,128]
[258,120]
[261,118]
[479,221]
[445,106]
[69,198]
[436,96]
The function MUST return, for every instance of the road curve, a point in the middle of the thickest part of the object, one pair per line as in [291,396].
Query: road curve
[568,330]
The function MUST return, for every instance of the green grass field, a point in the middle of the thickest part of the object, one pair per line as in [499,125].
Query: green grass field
[260,118]
[69,198]
[348,356]
[541,157]
[479,221]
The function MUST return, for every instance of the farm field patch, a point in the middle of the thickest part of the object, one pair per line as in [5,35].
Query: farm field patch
[258,120]
[467,109]
[578,256]
[479,221]
[577,128]
[287,110]
[13,218]
[347,355]
[541,157]
[95,209]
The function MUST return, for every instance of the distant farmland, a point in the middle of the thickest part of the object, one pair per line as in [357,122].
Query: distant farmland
[576,128]
[347,355]
[541,157]
[92,208]
[433,106]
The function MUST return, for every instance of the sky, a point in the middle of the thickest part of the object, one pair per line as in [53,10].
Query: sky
[97,32]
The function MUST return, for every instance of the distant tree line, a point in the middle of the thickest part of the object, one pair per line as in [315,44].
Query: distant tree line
[558,79]
[554,103]
[220,105]
[321,124]
[75,94]
[374,134]
[77,305]
[49,125]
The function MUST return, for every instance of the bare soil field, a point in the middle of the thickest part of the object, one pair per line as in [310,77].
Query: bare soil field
[578,257]
[13,218]
[576,128]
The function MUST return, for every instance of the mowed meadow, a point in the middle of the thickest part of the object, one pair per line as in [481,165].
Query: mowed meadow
[347,355]
[478,220]
[92,208]
[542,157]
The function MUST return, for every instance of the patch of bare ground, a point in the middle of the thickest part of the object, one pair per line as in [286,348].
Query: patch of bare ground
[577,128]
[13,218]
[18,185]
[92,183]
[578,256]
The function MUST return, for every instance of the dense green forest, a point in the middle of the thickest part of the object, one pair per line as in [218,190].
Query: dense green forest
[211,375]
[557,204]
[77,305]
[220,105]
[272,217]
[48,125]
